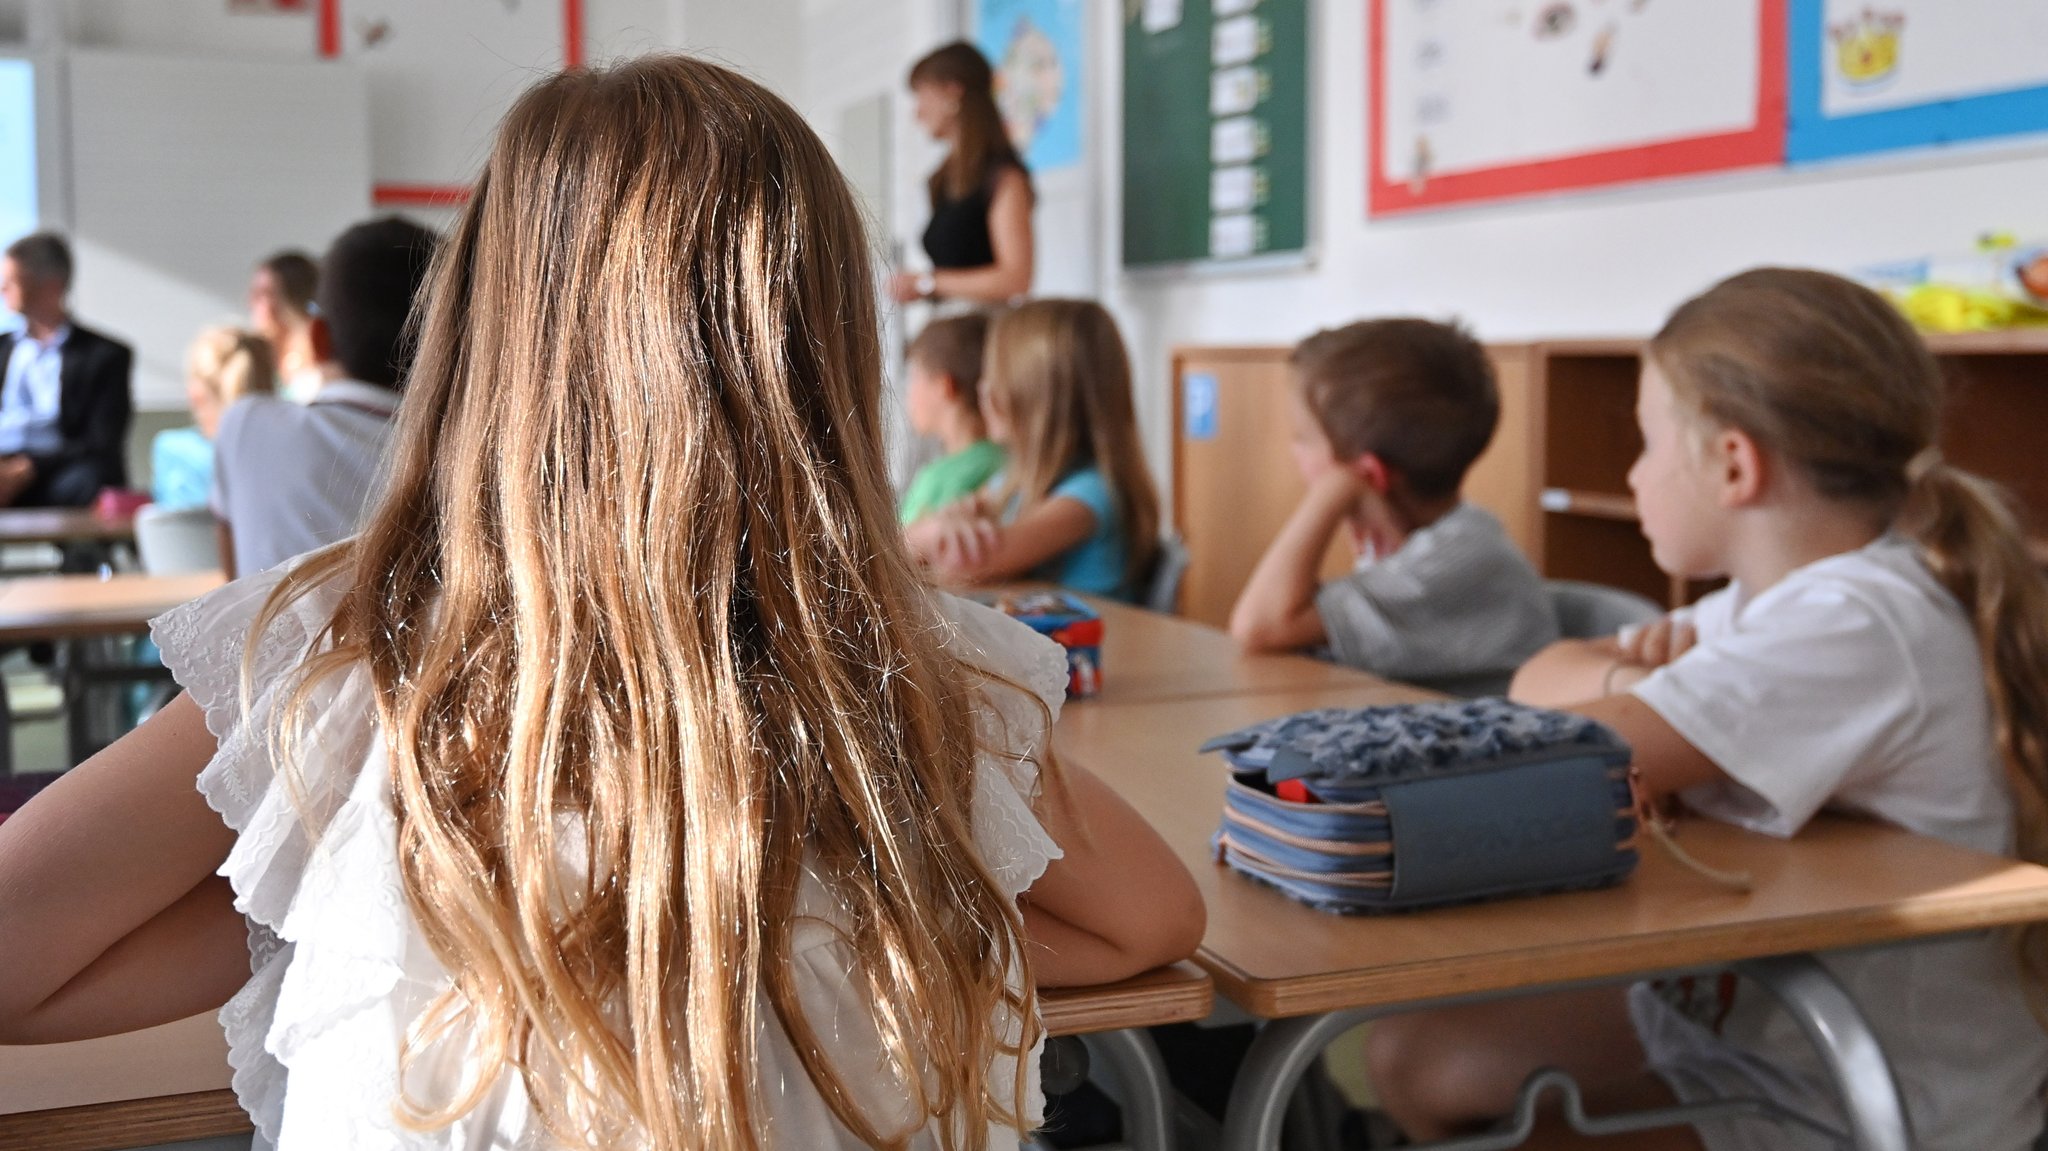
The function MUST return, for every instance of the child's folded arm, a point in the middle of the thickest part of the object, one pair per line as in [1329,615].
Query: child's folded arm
[111,917]
[1277,609]
[1571,671]
[1117,902]
[992,552]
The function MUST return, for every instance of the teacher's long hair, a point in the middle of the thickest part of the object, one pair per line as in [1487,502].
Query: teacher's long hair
[982,144]
[636,599]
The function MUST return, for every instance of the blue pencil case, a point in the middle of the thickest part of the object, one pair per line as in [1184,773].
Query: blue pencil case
[1423,805]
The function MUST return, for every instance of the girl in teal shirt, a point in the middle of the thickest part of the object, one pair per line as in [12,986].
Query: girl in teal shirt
[1075,505]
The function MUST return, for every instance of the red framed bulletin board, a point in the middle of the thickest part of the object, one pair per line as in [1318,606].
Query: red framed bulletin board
[1558,96]
[387,194]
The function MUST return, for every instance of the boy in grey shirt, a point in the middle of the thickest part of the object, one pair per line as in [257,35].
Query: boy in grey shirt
[1388,415]
[289,478]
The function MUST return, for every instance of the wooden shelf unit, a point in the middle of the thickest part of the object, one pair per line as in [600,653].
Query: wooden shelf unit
[1582,397]
[1556,473]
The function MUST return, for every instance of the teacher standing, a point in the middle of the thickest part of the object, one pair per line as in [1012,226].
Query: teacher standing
[979,238]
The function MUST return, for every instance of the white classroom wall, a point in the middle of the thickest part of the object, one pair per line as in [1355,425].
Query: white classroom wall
[1600,263]
[1594,263]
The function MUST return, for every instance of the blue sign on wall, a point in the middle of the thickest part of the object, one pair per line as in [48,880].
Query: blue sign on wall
[1198,405]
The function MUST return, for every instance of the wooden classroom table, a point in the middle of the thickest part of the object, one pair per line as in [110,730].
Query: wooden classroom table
[1838,884]
[162,1085]
[1148,657]
[64,526]
[41,608]
[170,1083]
[65,608]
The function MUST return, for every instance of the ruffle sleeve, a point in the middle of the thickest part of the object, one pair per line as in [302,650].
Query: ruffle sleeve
[279,819]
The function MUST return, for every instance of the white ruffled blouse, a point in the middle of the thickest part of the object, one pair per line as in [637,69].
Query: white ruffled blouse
[340,968]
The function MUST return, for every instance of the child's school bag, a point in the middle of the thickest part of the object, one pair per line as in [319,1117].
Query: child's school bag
[1420,805]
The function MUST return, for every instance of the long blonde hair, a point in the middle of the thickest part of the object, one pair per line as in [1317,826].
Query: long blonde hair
[1827,376]
[637,575]
[1058,374]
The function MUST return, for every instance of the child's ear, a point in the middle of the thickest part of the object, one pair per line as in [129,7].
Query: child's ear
[948,386]
[1741,465]
[1372,471]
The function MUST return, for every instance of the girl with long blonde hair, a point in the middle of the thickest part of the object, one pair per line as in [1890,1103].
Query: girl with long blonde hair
[221,366]
[1881,650]
[1075,503]
[619,785]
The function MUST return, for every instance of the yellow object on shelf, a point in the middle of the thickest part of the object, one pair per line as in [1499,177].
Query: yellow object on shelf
[1948,308]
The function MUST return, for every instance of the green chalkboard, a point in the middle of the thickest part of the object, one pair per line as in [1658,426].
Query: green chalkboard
[1215,130]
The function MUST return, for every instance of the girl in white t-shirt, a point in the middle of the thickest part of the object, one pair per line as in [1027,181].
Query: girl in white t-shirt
[1881,650]
[619,786]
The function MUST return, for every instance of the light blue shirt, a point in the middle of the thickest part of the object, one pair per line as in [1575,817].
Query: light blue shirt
[29,398]
[181,469]
[1096,564]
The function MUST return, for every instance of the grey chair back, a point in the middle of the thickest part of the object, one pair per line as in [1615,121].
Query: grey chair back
[1594,611]
[180,542]
[1169,568]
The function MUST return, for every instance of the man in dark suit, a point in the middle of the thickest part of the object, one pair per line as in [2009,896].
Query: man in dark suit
[66,399]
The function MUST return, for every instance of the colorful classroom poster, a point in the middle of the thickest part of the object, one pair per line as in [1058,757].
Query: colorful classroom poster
[1913,73]
[1487,99]
[1036,47]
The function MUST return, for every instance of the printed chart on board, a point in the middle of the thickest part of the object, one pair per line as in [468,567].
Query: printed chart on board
[1872,77]
[1215,145]
[1485,99]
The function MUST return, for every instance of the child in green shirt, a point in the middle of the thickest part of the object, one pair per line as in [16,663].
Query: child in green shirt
[944,401]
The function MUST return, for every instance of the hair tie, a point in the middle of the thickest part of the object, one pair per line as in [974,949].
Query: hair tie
[1924,463]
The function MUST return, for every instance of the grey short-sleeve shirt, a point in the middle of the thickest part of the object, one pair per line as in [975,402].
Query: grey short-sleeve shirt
[289,478]
[1458,607]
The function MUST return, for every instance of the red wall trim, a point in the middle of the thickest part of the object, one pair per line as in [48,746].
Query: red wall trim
[330,28]
[419,195]
[442,195]
[572,34]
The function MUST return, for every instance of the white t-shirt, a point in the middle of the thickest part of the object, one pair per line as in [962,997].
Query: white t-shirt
[1854,684]
[341,969]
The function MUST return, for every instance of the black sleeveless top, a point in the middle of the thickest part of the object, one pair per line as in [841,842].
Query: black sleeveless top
[957,236]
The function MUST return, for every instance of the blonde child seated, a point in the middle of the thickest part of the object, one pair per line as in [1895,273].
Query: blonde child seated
[945,401]
[1074,505]
[222,365]
[1882,650]
[1387,417]
[620,785]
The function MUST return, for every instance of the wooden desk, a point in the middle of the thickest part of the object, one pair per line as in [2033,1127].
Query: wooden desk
[171,1083]
[77,606]
[166,1084]
[1148,657]
[63,526]
[1838,884]
[1181,993]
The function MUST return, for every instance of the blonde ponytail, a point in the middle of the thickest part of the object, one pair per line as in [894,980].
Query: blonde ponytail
[1830,378]
[1973,543]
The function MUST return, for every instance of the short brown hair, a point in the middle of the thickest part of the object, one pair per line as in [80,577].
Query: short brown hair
[1418,394]
[42,256]
[952,348]
[298,278]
